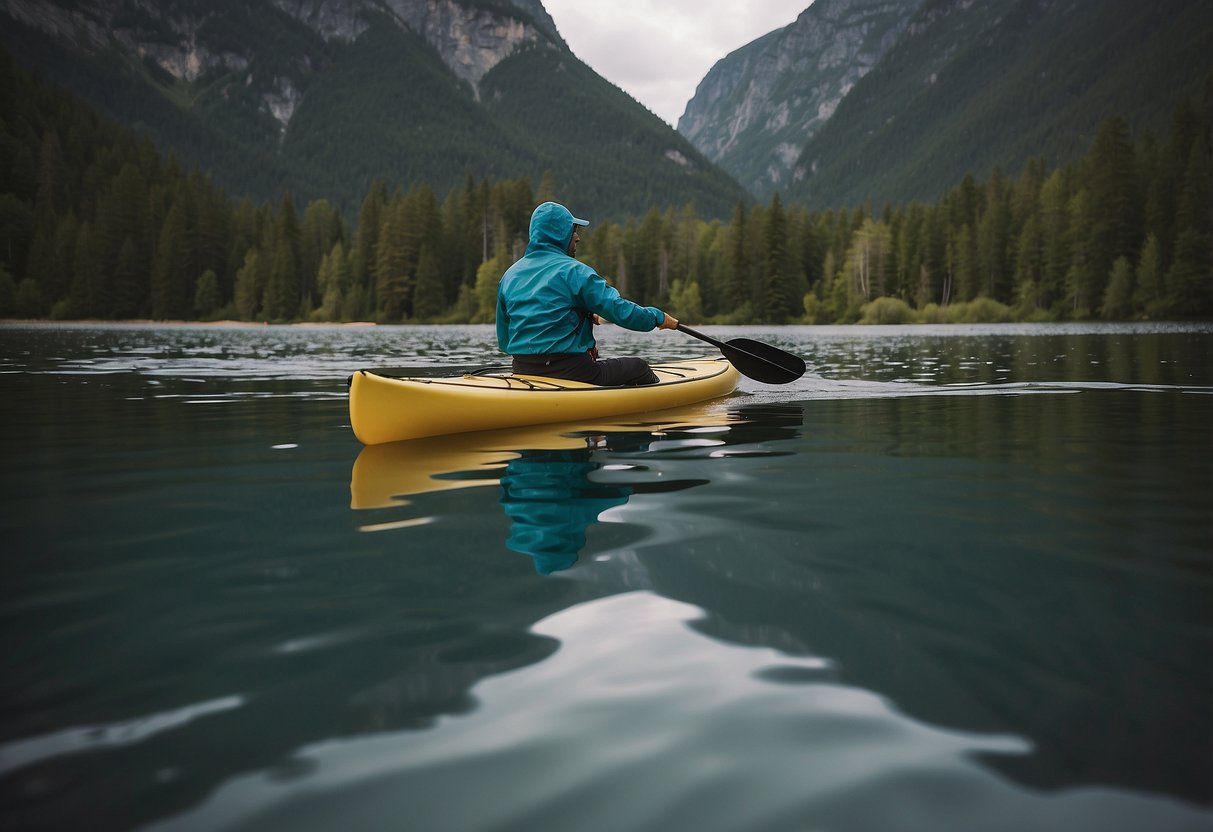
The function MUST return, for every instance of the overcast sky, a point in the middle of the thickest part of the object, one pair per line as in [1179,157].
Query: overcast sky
[659,50]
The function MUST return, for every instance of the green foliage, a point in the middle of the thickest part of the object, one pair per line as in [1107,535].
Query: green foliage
[8,293]
[206,298]
[686,301]
[981,310]
[887,311]
[428,302]
[488,276]
[1118,297]
[104,228]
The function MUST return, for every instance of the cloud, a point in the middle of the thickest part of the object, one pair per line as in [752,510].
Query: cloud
[659,51]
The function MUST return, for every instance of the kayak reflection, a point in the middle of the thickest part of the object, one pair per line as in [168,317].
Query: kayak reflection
[556,481]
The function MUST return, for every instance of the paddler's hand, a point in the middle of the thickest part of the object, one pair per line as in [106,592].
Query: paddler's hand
[670,322]
[599,320]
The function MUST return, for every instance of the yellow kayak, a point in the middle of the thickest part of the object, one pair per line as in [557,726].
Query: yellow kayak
[386,409]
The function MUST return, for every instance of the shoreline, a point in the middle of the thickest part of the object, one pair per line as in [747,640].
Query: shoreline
[223,324]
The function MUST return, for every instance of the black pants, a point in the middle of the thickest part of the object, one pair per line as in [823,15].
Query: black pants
[604,372]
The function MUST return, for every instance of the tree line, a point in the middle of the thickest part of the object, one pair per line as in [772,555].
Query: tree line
[95,224]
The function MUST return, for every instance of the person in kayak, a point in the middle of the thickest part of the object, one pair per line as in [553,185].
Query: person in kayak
[548,303]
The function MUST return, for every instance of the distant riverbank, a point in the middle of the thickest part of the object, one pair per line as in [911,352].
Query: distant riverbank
[150,322]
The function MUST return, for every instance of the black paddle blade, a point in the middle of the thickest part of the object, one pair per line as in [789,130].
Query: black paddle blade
[762,362]
[754,359]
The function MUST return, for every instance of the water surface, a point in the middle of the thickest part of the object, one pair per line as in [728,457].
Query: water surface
[954,578]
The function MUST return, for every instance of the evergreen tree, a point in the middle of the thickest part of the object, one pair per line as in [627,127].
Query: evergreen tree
[281,301]
[933,277]
[1030,267]
[8,293]
[994,235]
[1083,282]
[248,228]
[53,177]
[130,281]
[1189,281]
[16,229]
[248,288]
[170,288]
[393,280]
[124,241]
[366,246]
[333,283]
[206,296]
[1055,230]
[84,299]
[285,295]
[735,292]
[1115,198]
[1195,208]
[650,278]
[1118,297]
[320,230]
[965,263]
[778,301]
[1150,294]
[428,301]
[684,245]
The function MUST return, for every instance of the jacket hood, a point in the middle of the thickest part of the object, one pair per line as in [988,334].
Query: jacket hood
[552,228]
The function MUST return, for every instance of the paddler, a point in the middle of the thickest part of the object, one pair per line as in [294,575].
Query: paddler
[548,303]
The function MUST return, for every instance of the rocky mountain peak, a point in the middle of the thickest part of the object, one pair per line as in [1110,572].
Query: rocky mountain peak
[180,39]
[471,39]
[756,108]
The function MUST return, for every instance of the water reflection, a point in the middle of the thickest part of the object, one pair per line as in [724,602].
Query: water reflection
[556,482]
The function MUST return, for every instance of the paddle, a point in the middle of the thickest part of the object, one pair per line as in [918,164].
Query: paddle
[754,359]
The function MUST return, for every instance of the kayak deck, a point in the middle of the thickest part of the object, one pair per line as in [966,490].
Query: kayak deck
[386,409]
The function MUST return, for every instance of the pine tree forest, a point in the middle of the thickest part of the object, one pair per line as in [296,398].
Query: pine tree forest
[95,224]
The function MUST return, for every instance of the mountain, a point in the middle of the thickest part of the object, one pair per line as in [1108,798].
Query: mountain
[1018,79]
[325,97]
[965,87]
[754,110]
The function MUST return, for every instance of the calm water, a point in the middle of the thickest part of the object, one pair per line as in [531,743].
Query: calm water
[953,579]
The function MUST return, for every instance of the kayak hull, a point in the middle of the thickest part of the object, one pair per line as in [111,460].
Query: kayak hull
[385,409]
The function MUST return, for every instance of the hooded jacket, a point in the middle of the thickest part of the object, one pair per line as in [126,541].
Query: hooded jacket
[544,299]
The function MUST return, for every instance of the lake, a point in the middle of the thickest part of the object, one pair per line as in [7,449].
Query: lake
[955,578]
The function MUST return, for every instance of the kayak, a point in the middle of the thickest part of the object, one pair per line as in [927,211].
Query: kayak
[388,409]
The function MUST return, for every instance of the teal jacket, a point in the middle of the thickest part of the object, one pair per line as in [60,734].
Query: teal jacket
[544,299]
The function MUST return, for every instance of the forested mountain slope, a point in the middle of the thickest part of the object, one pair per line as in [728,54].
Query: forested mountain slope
[864,100]
[1036,81]
[323,97]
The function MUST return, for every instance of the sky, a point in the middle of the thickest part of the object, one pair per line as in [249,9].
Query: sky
[659,50]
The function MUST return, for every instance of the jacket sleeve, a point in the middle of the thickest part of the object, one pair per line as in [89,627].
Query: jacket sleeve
[599,296]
